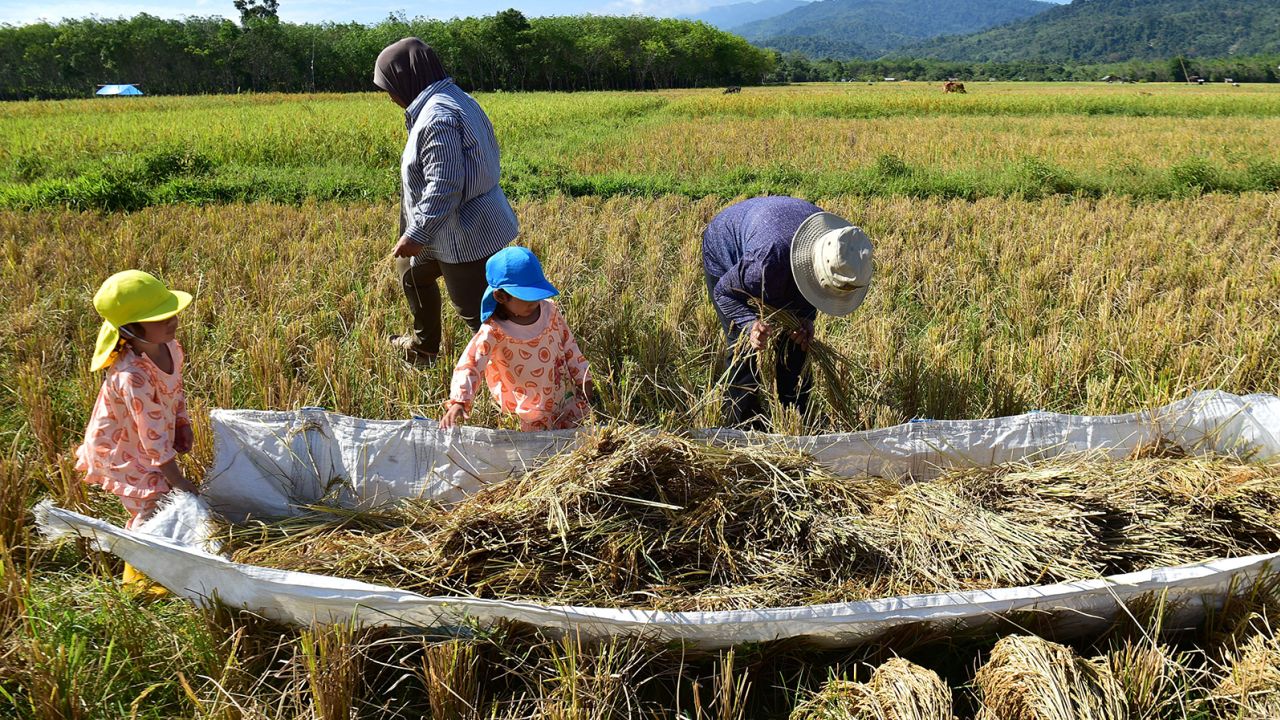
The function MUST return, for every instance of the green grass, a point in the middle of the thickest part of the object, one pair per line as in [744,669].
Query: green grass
[131,154]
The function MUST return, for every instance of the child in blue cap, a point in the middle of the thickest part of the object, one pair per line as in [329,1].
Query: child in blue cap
[524,349]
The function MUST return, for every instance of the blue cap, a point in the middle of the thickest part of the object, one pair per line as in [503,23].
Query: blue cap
[517,271]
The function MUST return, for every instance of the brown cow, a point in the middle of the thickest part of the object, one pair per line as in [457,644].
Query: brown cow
[954,87]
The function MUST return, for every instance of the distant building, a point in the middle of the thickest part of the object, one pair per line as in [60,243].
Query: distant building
[114,90]
[889,79]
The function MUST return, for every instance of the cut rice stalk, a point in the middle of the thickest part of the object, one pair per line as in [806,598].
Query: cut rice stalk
[897,690]
[1033,679]
[1251,688]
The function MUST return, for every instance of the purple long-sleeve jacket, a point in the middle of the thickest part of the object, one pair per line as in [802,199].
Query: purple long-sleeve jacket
[748,247]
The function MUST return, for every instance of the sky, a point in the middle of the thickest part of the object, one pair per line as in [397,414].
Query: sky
[18,12]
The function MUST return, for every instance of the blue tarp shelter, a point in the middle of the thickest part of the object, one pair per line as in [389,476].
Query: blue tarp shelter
[118,90]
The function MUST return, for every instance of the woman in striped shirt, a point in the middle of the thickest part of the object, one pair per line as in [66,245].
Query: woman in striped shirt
[453,214]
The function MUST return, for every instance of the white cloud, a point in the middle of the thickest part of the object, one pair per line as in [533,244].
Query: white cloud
[656,8]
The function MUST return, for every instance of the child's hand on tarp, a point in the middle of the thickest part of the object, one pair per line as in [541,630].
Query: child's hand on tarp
[455,414]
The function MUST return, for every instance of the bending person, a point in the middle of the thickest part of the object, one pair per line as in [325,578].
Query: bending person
[779,254]
[453,214]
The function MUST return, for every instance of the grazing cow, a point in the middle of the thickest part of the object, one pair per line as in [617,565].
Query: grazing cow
[732,90]
[954,87]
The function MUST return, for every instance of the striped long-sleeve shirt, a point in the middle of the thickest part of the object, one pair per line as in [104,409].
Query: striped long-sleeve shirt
[451,202]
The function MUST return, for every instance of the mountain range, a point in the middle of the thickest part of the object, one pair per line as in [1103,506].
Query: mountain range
[1122,30]
[871,28]
[1007,30]
[727,17]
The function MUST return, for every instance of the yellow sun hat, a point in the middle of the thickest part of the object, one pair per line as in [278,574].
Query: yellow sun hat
[128,297]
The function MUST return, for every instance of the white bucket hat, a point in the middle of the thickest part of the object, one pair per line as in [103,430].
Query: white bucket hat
[831,263]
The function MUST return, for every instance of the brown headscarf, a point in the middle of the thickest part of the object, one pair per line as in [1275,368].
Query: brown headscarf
[406,67]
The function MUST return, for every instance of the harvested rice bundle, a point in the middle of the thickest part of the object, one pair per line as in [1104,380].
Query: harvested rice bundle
[897,690]
[643,519]
[393,546]
[643,516]
[1119,524]
[629,518]
[939,538]
[1033,679]
[1236,507]
[1071,519]
[1251,688]
[1141,513]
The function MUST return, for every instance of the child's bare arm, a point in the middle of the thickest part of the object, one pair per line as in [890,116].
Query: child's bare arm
[177,481]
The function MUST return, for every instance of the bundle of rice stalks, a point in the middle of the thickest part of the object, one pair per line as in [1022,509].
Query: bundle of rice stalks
[451,675]
[639,519]
[897,690]
[1033,679]
[1157,682]
[1069,519]
[629,518]
[1135,514]
[941,538]
[844,386]
[1251,688]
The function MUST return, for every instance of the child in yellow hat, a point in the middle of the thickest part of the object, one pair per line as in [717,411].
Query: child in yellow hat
[139,422]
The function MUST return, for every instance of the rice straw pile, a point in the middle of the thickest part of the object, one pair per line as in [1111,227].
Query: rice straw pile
[639,519]
[1251,689]
[1033,679]
[627,519]
[897,690]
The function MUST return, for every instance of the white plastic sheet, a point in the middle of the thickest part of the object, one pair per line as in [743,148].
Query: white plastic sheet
[268,462]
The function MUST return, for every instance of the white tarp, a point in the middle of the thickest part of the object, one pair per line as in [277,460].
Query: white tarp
[268,462]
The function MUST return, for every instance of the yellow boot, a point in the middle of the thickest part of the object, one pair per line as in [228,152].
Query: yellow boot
[141,584]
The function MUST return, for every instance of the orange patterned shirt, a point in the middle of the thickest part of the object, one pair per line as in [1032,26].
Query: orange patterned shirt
[131,432]
[535,372]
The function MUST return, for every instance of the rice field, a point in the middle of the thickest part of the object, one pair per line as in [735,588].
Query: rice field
[899,139]
[1074,248]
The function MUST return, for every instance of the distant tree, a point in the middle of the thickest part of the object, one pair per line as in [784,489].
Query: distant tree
[251,10]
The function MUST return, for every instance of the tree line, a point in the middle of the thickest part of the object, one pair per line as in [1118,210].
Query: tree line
[796,67]
[505,51]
